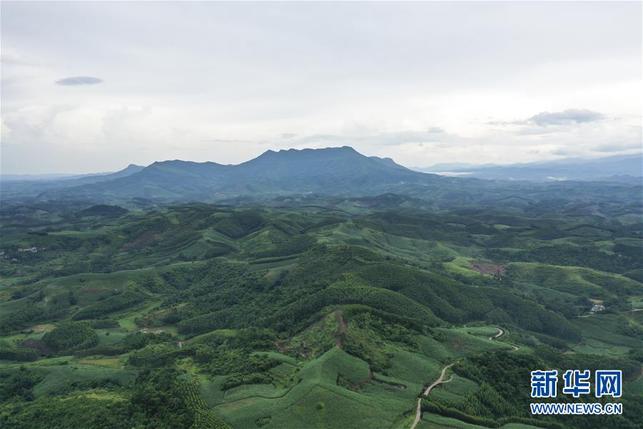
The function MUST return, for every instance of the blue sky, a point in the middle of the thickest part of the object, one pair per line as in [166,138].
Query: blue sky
[94,86]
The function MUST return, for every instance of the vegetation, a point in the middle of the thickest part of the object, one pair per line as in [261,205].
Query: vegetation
[312,311]
[70,336]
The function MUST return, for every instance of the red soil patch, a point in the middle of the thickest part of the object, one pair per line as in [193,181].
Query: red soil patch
[489,268]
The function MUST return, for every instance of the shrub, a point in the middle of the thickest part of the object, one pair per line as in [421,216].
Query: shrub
[70,336]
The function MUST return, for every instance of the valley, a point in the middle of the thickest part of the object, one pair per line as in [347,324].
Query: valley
[293,315]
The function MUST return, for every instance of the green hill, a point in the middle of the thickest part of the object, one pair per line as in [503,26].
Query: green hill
[323,312]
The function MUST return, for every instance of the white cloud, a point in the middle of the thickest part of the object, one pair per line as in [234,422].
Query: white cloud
[420,82]
[79,81]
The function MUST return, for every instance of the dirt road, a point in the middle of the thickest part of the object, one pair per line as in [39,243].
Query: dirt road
[441,380]
[500,333]
[342,327]
[427,391]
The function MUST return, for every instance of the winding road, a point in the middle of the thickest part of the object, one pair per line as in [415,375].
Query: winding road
[440,380]
[500,333]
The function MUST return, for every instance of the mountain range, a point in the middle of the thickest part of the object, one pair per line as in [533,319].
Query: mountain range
[338,171]
[329,171]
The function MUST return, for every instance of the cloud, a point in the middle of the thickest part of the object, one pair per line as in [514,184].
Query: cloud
[192,70]
[544,123]
[391,138]
[619,147]
[226,141]
[10,56]
[569,116]
[79,80]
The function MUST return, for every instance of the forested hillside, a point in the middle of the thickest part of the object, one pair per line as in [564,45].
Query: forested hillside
[311,312]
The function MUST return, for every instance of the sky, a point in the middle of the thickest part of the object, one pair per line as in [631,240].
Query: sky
[95,86]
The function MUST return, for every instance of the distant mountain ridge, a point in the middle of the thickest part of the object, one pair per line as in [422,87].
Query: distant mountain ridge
[336,170]
[12,186]
[306,174]
[615,168]
[89,177]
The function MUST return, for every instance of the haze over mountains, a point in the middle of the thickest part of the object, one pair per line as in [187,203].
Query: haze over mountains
[330,171]
[608,168]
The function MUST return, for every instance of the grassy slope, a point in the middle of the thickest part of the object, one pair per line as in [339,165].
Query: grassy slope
[314,399]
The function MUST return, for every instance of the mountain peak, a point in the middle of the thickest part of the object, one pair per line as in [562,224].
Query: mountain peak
[133,167]
[294,151]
